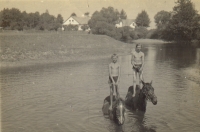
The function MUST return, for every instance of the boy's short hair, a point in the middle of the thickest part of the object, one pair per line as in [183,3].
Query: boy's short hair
[114,56]
[138,45]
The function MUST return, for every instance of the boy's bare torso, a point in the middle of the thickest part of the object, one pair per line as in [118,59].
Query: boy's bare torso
[137,57]
[114,69]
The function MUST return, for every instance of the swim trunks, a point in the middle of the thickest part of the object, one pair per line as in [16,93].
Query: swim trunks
[137,67]
[115,78]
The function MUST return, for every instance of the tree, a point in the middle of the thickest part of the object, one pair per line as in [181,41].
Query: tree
[73,14]
[184,24]
[59,19]
[110,14]
[142,19]
[103,22]
[33,19]
[162,18]
[12,18]
[126,33]
[123,14]
[47,22]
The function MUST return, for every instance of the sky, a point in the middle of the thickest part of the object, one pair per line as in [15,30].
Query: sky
[67,7]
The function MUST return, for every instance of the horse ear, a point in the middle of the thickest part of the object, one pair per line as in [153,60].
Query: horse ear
[143,82]
[151,82]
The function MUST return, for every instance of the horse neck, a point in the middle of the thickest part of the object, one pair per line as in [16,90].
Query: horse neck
[142,101]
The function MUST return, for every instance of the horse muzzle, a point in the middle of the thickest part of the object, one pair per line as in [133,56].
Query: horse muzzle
[120,114]
[154,101]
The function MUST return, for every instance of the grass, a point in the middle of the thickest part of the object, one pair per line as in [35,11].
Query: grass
[18,48]
[150,41]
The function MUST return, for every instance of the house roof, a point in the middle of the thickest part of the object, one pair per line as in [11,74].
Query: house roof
[127,22]
[80,20]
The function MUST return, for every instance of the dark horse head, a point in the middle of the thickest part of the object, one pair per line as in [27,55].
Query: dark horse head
[142,96]
[148,92]
[117,112]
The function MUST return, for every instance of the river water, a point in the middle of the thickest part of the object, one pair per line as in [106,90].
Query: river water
[69,97]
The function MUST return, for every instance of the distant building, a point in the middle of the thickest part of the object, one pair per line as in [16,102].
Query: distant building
[74,20]
[126,22]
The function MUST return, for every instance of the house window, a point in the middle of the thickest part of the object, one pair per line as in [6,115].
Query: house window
[69,20]
[72,20]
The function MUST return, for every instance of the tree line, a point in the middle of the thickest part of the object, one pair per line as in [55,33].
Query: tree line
[181,24]
[14,19]
[104,21]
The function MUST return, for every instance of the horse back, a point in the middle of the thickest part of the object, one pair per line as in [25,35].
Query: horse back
[130,89]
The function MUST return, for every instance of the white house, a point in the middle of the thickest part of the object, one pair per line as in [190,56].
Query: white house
[126,22]
[74,20]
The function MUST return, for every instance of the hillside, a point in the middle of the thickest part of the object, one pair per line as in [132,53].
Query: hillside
[19,48]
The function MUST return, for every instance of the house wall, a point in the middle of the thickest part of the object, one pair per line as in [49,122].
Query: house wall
[118,25]
[71,21]
[79,27]
[133,25]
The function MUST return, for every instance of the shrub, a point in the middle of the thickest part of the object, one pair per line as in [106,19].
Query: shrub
[141,32]
[85,27]
[71,28]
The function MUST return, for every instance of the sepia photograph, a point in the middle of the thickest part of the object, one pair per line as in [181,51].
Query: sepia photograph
[99,65]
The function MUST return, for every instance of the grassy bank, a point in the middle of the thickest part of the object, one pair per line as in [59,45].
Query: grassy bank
[150,41]
[22,48]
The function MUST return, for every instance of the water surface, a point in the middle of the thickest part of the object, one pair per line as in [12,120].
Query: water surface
[69,97]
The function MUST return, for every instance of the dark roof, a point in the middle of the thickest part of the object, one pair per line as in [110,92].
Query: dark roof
[81,20]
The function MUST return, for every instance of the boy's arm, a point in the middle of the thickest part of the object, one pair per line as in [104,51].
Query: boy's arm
[132,60]
[119,74]
[110,73]
[142,62]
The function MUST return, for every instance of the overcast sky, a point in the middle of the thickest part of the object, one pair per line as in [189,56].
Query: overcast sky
[66,7]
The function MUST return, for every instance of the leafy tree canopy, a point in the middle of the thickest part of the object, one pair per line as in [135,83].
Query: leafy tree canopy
[14,19]
[162,18]
[184,24]
[123,14]
[142,19]
[103,22]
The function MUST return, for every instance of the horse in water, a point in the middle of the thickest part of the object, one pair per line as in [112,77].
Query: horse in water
[118,110]
[139,102]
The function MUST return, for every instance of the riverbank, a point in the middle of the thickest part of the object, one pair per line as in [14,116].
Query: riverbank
[150,41]
[26,49]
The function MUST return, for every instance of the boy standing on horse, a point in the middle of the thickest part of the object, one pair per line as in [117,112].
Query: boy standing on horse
[114,76]
[137,60]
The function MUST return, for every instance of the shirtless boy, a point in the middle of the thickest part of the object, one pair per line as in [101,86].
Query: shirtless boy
[137,60]
[114,76]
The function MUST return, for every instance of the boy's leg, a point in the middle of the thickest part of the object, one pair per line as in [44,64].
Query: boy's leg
[134,82]
[141,78]
[111,97]
[117,91]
